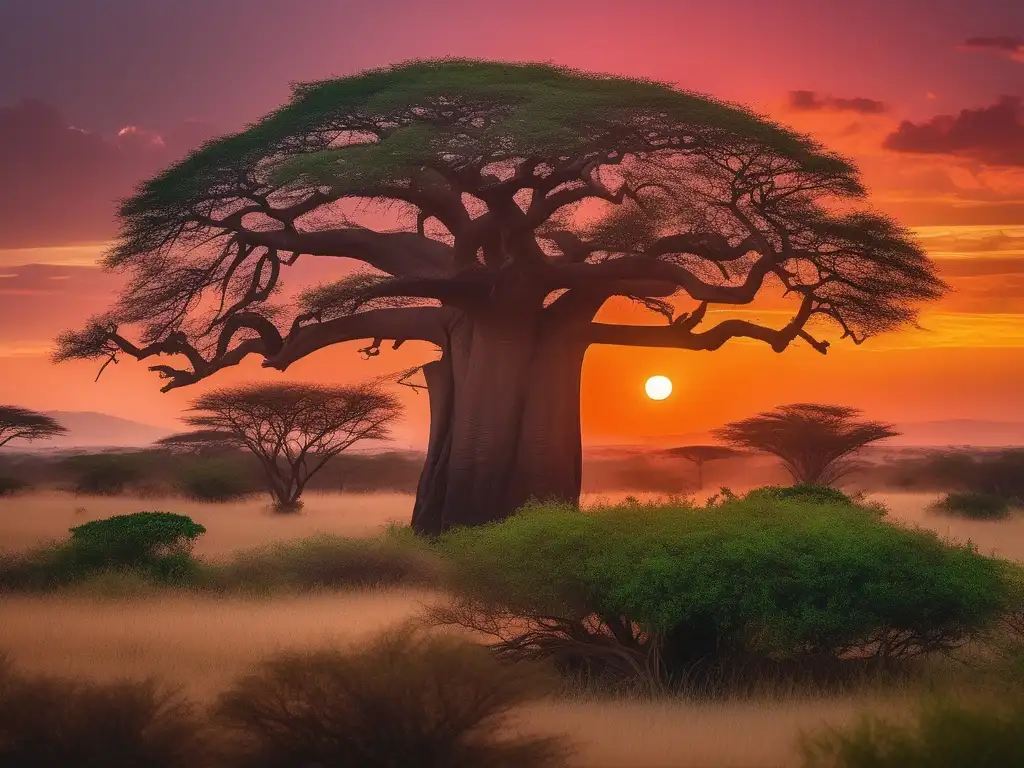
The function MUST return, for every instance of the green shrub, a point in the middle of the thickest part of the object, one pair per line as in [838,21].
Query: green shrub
[12,485]
[47,722]
[326,561]
[214,481]
[974,506]
[402,700]
[670,586]
[135,539]
[944,736]
[801,492]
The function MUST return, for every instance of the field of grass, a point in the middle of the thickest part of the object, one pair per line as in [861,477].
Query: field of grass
[203,641]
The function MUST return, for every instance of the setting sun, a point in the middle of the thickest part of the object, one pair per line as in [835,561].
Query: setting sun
[658,387]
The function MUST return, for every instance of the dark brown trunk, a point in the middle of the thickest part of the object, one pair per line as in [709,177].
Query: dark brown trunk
[505,426]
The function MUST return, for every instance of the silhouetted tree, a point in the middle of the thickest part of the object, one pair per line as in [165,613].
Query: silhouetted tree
[22,424]
[295,429]
[496,208]
[702,454]
[815,442]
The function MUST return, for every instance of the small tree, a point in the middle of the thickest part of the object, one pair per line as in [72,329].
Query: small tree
[815,442]
[701,455]
[295,429]
[21,423]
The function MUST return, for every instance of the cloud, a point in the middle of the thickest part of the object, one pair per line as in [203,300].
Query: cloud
[59,183]
[811,101]
[1011,47]
[993,135]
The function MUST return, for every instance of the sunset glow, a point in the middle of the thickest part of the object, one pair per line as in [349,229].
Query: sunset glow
[658,387]
[933,117]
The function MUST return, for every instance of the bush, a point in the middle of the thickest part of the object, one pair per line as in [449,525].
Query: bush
[944,736]
[432,702]
[214,481]
[801,492]
[649,591]
[46,721]
[104,474]
[136,539]
[974,506]
[12,485]
[326,561]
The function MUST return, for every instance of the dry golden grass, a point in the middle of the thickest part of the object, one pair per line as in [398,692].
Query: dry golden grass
[30,519]
[203,643]
[35,518]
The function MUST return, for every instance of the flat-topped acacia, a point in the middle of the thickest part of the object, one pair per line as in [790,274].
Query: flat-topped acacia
[520,198]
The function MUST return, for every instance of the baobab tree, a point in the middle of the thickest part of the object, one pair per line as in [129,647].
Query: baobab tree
[293,429]
[494,209]
[18,423]
[816,443]
[700,455]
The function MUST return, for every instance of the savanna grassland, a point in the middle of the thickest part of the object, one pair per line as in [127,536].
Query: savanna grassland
[202,640]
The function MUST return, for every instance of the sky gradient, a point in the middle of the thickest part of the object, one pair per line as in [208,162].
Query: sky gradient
[925,95]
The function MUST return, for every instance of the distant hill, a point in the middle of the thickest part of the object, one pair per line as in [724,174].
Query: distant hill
[974,432]
[88,429]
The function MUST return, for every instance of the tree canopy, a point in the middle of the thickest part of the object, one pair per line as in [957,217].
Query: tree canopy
[695,186]
[292,429]
[18,423]
[815,442]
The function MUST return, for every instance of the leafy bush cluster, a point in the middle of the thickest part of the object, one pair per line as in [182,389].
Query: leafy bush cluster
[325,562]
[656,591]
[974,506]
[401,700]
[945,735]
[156,544]
[147,548]
[215,480]
[12,485]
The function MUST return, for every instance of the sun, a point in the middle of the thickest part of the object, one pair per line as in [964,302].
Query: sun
[658,387]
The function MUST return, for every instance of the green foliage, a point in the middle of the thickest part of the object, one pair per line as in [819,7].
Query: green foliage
[214,480]
[802,492]
[945,736]
[326,562]
[974,506]
[12,485]
[135,539]
[403,699]
[753,577]
[48,721]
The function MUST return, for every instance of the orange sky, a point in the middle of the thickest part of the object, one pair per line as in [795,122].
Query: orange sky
[923,102]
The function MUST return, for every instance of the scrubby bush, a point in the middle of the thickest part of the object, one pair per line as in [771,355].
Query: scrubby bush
[803,492]
[975,506]
[12,485]
[326,561]
[104,474]
[47,722]
[944,736]
[214,481]
[650,591]
[428,701]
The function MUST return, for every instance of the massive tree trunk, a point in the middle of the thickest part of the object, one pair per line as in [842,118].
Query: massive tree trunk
[505,423]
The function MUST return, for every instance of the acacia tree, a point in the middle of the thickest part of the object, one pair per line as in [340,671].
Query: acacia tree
[22,424]
[701,455]
[815,442]
[517,200]
[295,429]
